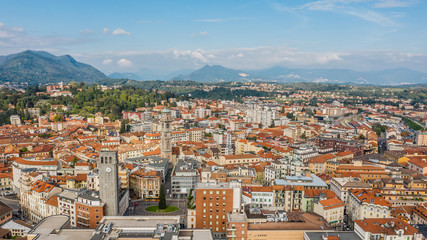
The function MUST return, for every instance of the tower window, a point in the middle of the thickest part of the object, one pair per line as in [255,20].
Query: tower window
[102,159]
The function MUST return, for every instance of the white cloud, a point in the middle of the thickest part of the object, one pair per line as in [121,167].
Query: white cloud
[200,34]
[1,24]
[350,7]
[120,31]
[372,16]
[203,34]
[18,29]
[106,30]
[238,55]
[86,31]
[256,58]
[124,63]
[212,20]
[216,20]
[394,3]
[107,61]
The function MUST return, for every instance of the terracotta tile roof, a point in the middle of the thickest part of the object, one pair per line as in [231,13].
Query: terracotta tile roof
[387,226]
[53,201]
[40,186]
[370,197]
[240,156]
[331,203]
[33,163]
[321,158]
[420,161]
[315,193]
[261,189]
[342,154]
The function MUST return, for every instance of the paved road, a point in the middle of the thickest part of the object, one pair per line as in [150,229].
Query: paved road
[13,203]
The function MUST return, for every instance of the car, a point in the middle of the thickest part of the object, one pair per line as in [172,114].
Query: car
[135,204]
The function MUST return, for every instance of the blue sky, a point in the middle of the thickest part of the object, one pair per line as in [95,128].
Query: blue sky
[166,36]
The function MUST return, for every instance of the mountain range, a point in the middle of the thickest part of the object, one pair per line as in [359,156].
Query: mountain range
[395,76]
[35,67]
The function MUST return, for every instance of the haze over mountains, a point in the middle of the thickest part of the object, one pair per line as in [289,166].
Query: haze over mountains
[396,76]
[42,67]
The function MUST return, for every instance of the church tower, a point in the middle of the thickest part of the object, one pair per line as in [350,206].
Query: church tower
[166,135]
[109,182]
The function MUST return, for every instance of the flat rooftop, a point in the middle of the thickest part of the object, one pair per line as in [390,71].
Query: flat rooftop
[313,180]
[306,221]
[46,230]
[341,235]
[235,217]
[135,222]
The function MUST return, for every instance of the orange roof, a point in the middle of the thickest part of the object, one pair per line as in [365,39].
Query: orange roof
[210,163]
[331,203]
[370,197]
[321,158]
[82,164]
[261,189]
[312,193]
[53,201]
[240,156]
[27,162]
[151,153]
[40,186]
[342,154]
[387,226]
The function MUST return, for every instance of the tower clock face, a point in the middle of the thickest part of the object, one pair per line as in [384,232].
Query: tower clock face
[108,169]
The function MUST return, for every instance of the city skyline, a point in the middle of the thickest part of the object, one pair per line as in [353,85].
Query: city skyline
[129,36]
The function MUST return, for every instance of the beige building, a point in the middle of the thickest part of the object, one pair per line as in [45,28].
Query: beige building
[238,159]
[332,210]
[37,203]
[421,139]
[284,226]
[363,204]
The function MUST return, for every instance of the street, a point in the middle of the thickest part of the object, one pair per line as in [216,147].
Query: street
[13,203]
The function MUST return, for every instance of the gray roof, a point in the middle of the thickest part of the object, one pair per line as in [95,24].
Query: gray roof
[313,181]
[342,235]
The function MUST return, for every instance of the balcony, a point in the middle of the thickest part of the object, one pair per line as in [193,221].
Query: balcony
[83,223]
[82,217]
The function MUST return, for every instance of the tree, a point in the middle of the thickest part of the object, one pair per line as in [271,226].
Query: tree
[304,136]
[123,125]
[290,116]
[162,198]
[74,161]
[58,118]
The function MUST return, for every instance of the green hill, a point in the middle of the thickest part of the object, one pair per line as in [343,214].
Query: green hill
[42,67]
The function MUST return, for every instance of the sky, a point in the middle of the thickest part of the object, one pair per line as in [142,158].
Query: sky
[166,36]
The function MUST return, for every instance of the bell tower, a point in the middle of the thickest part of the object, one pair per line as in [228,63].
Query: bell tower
[109,182]
[166,135]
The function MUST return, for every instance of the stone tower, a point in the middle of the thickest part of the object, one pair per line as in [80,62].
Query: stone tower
[166,135]
[108,182]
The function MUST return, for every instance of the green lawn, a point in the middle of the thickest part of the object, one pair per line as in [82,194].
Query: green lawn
[156,209]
